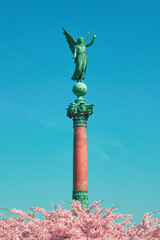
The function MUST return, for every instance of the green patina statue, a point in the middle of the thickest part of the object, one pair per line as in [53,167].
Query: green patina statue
[79,54]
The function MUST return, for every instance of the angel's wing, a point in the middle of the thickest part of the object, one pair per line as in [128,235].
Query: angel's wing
[86,37]
[71,41]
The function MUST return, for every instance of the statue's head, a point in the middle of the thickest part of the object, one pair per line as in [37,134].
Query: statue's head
[80,40]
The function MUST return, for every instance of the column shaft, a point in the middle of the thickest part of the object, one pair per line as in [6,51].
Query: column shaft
[79,112]
[80,171]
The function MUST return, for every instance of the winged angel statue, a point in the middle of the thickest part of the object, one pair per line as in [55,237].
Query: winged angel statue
[79,54]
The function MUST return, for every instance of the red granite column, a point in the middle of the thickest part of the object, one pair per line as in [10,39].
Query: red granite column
[80,112]
[80,171]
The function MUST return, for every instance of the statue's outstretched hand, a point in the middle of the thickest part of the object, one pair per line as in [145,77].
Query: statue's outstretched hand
[94,35]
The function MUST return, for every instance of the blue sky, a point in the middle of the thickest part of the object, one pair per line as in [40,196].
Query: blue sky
[123,79]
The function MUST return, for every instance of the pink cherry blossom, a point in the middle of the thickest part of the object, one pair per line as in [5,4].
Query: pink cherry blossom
[78,223]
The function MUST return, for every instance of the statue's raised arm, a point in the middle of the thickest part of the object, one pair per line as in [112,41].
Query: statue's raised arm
[79,54]
[89,44]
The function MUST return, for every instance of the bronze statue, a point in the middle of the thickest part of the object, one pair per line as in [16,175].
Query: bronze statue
[79,54]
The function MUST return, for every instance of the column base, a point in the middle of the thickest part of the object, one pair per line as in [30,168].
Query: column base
[82,197]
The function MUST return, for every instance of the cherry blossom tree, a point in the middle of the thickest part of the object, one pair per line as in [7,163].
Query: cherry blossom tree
[78,223]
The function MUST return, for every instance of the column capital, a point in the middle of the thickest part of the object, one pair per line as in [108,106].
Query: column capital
[80,111]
